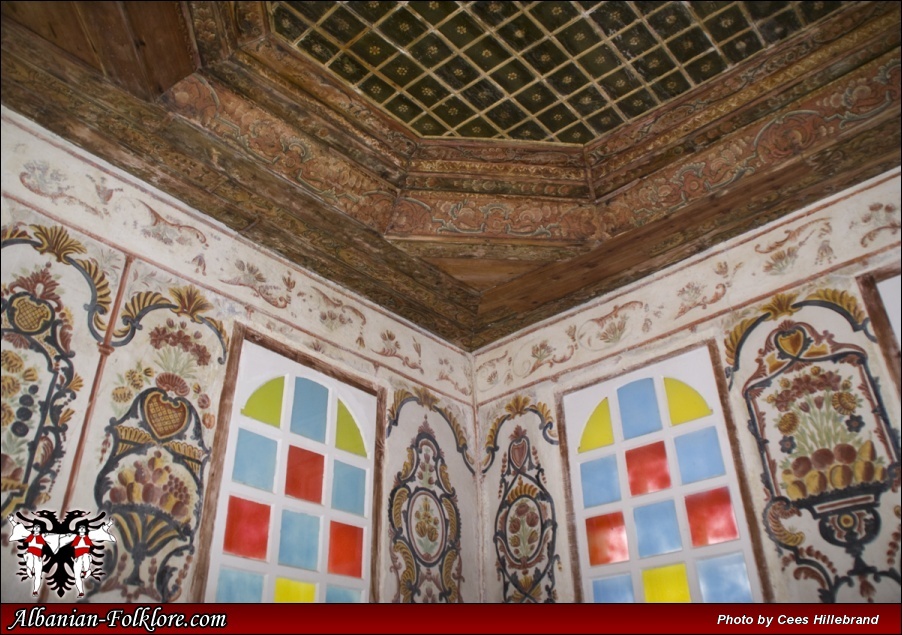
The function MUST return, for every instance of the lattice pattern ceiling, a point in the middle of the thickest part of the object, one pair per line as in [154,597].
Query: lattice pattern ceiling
[563,72]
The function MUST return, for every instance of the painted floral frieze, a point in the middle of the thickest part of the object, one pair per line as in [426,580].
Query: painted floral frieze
[706,287]
[181,241]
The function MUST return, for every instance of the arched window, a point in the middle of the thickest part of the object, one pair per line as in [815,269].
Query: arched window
[659,515]
[294,515]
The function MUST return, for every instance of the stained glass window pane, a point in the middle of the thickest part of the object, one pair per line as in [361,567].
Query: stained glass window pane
[666,584]
[600,481]
[239,586]
[647,468]
[288,590]
[247,528]
[724,579]
[299,540]
[607,539]
[657,529]
[616,589]
[345,549]
[684,402]
[711,518]
[304,474]
[265,404]
[638,408]
[255,460]
[348,488]
[311,404]
[598,431]
[347,435]
[698,455]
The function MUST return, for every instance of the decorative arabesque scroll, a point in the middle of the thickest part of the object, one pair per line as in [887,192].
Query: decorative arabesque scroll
[41,375]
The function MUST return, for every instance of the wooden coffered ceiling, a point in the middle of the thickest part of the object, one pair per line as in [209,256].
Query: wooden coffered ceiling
[474,167]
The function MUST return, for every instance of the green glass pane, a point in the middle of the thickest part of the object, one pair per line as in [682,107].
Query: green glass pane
[265,404]
[347,434]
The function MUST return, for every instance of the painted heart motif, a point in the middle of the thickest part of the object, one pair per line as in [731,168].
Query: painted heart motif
[30,315]
[519,452]
[166,418]
[791,342]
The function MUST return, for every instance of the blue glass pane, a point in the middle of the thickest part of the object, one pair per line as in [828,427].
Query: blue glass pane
[255,460]
[339,595]
[724,579]
[348,488]
[239,586]
[308,414]
[638,408]
[299,540]
[657,529]
[617,589]
[600,481]
[699,456]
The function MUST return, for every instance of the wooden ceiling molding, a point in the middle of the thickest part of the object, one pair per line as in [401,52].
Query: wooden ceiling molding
[474,167]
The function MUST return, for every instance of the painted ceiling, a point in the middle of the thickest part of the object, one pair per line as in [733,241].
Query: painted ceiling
[474,167]
[565,72]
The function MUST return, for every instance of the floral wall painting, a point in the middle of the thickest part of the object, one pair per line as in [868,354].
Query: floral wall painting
[431,510]
[518,406]
[55,306]
[154,457]
[525,528]
[830,458]
[430,402]
[424,525]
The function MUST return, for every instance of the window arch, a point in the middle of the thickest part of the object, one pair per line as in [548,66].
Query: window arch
[658,509]
[294,518]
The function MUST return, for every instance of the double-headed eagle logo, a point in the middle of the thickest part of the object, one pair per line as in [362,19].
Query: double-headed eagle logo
[64,552]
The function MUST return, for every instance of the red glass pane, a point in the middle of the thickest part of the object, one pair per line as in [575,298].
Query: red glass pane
[345,549]
[647,468]
[247,528]
[304,477]
[607,539]
[711,518]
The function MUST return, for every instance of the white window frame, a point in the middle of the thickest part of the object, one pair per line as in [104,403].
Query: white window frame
[257,366]
[695,368]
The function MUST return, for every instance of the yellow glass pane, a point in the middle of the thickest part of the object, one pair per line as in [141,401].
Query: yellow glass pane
[666,584]
[294,591]
[598,431]
[265,404]
[347,434]
[684,402]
